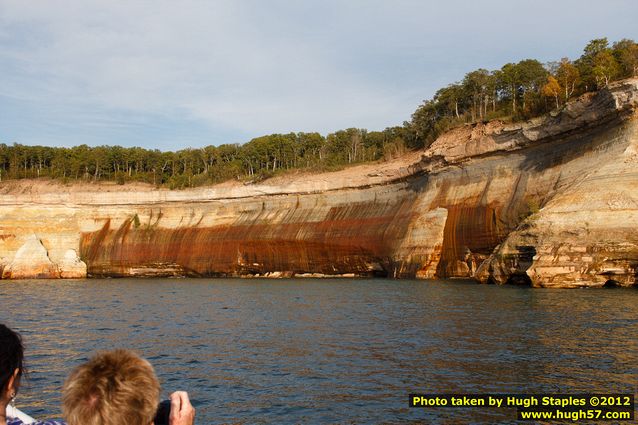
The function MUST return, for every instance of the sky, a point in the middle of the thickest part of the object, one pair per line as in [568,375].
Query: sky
[174,74]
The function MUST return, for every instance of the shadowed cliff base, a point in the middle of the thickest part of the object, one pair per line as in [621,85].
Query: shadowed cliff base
[548,203]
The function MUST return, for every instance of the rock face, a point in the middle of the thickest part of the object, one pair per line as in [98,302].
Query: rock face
[31,262]
[71,267]
[551,202]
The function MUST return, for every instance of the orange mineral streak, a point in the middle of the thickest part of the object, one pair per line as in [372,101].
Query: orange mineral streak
[470,235]
[351,239]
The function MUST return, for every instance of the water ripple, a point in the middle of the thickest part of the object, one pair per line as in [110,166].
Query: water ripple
[328,351]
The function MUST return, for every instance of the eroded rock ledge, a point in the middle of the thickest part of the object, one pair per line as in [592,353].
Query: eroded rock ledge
[551,202]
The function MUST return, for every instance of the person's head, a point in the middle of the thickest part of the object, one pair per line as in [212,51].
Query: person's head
[11,368]
[113,388]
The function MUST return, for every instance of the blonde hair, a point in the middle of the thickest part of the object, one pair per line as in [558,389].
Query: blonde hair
[113,388]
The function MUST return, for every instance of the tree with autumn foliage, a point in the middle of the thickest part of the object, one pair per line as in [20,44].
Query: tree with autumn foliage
[552,89]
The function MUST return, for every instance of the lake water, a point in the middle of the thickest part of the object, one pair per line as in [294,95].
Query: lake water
[328,351]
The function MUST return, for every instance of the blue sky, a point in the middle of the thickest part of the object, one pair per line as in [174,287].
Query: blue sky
[169,75]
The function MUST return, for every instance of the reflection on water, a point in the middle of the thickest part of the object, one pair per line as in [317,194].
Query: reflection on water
[325,351]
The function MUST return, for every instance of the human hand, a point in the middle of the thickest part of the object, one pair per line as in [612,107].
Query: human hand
[182,412]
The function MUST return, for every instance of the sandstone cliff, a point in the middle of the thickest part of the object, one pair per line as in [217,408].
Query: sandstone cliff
[549,202]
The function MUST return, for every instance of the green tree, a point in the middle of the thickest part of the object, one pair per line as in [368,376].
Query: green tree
[421,129]
[586,62]
[476,84]
[311,147]
[532,75]
[450,99]
[605,68]
[568,76]
[510,82]
[626,53]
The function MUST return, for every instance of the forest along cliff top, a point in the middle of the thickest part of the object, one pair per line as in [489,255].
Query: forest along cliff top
[455,147]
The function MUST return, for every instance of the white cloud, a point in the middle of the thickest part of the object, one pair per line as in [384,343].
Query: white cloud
[216,61]
[250,66]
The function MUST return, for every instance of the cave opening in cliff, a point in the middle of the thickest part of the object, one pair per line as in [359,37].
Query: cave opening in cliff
[519,279]
[380,273]
[611,283]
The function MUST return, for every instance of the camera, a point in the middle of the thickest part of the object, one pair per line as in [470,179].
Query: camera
[163,412]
